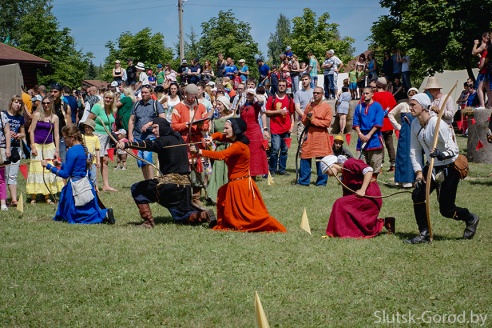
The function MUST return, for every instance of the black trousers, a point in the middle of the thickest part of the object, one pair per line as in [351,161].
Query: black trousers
[177,199]
[446,196]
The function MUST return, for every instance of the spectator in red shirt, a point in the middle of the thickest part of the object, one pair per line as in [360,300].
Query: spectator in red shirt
[388,102]
[280,109]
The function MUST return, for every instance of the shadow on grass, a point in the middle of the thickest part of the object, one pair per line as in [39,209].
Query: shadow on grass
[405,235]
[481,182]
[157,220]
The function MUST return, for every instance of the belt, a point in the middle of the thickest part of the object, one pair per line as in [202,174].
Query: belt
[245,177]
[174,178]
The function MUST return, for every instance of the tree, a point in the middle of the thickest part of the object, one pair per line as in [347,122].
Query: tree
[227,35]
[142,47]
[318,36]
[279,40]
[40,35]
[437,34]
[12,14]
[190,46]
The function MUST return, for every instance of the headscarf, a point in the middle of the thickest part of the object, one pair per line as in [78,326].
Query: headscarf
[330,160]
[239,127]
[165,127]
[423,99]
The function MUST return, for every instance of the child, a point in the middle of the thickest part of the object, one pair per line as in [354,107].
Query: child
[120,153]
[353,82]
[93,145]
[361,79]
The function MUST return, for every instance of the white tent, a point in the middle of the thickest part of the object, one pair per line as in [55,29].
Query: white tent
[447,79]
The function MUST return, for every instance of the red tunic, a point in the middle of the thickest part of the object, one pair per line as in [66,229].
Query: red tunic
[239,202]
[352,216]
[249,113]
[388,102]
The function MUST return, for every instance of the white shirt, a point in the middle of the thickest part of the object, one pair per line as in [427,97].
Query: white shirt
[422,139]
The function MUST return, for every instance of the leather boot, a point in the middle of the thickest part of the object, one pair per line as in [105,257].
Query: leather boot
[196,199]
[423,237]
[146,214]
[389,224]
[471,226]
[209,216]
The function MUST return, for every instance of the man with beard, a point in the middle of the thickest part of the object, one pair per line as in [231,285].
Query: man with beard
[185,114]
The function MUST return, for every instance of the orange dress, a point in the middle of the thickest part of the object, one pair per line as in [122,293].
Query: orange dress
[239,202]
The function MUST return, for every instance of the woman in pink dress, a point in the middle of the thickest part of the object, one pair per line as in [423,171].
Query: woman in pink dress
[354,215]
[249,113]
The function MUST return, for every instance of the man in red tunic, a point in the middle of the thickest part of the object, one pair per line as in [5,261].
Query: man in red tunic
[184,115]
[388,102]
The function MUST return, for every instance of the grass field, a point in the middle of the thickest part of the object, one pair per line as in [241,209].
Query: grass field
[55,274]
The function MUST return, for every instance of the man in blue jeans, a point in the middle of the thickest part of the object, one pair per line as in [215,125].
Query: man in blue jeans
[140,127]
[280,109]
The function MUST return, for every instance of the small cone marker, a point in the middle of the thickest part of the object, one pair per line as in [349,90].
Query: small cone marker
[305,222]
[270,179]
[20,204]
[261,318]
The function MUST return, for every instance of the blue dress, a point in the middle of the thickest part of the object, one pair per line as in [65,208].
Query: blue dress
[404,170]
[75,168]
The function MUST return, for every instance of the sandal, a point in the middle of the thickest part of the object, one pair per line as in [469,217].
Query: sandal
[14,203]
[49,201]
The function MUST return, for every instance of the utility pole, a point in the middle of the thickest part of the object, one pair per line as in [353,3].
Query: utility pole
[181,39]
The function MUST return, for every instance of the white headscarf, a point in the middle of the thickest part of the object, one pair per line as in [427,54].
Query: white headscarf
[423,99]
[330,160]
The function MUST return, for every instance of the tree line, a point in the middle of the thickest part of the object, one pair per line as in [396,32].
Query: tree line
[437,34]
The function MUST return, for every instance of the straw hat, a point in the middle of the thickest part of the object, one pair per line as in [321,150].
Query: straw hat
[433,83]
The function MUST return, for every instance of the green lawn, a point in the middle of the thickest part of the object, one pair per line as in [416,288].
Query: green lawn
[55,274]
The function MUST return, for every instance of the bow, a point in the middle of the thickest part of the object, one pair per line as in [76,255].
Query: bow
[126,150]
[299,145]
[366,196]
[431,163]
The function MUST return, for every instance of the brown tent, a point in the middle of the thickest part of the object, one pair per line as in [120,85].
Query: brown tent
[29,64]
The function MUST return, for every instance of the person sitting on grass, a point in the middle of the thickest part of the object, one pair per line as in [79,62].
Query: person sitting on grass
[354,215]
[79,206]
[239,202]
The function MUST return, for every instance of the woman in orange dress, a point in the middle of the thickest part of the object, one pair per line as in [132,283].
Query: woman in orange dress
[239,202]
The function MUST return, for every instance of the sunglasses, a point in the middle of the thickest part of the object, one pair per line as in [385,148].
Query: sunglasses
[46,103]
[317,93]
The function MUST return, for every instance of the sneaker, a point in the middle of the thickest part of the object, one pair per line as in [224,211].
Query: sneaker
[123,168]
[4,208]
[283,173]
[116,167]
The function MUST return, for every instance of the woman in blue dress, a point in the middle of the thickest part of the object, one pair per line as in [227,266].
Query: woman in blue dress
[75,169]
[404,175]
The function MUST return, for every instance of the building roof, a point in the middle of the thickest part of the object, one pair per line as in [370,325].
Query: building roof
[96,83]
[11,54]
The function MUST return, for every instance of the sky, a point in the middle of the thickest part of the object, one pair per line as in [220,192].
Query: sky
[95,22]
